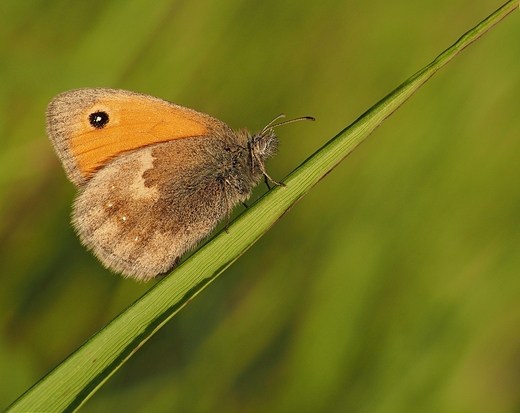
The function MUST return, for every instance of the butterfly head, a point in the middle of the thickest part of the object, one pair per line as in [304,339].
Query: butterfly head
[264,145]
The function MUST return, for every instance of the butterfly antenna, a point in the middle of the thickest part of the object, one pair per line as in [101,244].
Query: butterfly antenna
[268,126]
[271,126]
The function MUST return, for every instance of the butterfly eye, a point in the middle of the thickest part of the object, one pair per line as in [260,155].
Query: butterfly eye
[98,119]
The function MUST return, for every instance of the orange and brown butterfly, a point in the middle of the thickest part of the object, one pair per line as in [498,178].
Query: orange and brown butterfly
[153,178]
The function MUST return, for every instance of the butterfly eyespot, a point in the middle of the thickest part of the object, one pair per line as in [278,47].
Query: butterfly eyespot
[98,119]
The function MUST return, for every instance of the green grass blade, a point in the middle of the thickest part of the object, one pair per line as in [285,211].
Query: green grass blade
[70,384]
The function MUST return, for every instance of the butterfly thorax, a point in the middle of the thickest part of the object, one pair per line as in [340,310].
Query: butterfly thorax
[245,165]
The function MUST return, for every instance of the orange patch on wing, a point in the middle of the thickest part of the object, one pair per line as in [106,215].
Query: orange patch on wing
[132,124]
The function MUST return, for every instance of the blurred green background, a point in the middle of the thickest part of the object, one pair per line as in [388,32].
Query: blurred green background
[393,286]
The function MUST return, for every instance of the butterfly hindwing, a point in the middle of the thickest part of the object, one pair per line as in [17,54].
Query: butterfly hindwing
[155,202]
